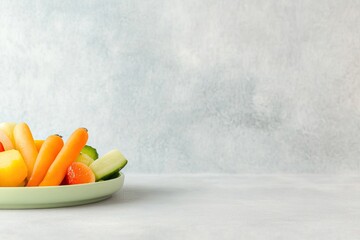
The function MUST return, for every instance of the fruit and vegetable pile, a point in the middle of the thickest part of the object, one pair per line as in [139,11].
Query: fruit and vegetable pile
[52,162]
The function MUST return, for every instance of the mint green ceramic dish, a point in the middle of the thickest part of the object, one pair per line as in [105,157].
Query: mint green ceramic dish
[58,196]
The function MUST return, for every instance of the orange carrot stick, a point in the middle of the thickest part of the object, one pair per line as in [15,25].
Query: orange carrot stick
[6,141]
[49,150]
[24,142]
[38,144]
[66,156]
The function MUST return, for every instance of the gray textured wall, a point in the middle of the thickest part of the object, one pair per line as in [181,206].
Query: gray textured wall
[190,86]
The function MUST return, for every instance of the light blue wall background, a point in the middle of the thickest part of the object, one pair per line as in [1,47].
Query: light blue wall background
[190,86]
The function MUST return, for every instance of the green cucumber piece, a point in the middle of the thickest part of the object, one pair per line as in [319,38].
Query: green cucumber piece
[112,175]
[84,158]
[109,163]
[90,151]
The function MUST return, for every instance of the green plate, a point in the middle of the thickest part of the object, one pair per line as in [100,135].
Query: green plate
[58,196]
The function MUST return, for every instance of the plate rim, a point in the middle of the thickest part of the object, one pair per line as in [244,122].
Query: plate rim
[16,197]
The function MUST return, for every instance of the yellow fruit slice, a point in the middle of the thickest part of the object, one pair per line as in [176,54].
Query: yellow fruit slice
[13,170]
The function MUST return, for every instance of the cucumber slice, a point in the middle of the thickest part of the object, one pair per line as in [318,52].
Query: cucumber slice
[109,163]
[90,151]
[84,158]
[112,175]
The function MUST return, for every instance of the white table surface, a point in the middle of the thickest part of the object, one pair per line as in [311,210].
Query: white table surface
[204,207]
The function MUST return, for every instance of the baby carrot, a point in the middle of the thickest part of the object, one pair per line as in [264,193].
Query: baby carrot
[49,150]
[6,141]
[24,142]
[66,156]
[38,144]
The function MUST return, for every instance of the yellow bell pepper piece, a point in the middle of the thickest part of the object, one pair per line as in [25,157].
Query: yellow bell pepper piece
[13,169]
